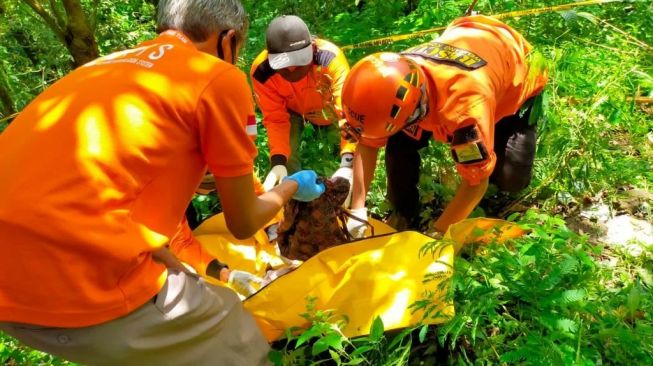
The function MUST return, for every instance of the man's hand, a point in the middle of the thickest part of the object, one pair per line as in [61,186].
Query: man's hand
[434,233]
[308,186]
[355,227]
[276,175]
[243,282]
[346,171]
[165,257]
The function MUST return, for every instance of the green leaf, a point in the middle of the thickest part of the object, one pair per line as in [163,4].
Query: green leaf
[422,333]
[567,325]
[570,296]
[276,357]
[477,232]
[646,276]
[335,356]
[634,299]
[319,347]
[588,16]
[526,247]
[514,356]
[513,216]
[569,16]
[360,350]
[376,330]
[399,338]
[568,265]
[307,335]
[356,361]
[334,340]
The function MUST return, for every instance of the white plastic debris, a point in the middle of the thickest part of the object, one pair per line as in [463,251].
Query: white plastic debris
[629,233]
[624,231]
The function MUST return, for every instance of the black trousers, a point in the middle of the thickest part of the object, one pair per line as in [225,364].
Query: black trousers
[514,146]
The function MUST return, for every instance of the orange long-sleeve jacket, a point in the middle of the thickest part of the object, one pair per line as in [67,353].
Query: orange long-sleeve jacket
[316,97]
[478,72]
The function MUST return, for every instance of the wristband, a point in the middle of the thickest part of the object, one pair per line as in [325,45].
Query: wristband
[214,267]
[278,159]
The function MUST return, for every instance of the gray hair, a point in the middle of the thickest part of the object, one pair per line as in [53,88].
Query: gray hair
[198,19]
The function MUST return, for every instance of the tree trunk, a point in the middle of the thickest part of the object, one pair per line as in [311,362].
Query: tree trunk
[6,103]
[72,28]
[411,5]
[78,34]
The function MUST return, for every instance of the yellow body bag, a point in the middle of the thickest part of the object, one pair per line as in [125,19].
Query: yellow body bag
[379,276]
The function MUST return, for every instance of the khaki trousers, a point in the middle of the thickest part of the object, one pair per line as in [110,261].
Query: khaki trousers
[189,322]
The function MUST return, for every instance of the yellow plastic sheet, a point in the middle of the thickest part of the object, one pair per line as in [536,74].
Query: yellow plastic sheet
[380,276]
[481,230]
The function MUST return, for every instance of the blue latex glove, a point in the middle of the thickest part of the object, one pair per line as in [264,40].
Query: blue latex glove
[309,188]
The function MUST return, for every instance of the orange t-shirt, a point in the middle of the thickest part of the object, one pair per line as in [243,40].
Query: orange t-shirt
[189,250]
[477,73]
[96,173]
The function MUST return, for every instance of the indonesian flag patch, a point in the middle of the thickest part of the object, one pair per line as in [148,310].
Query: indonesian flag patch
[251,125]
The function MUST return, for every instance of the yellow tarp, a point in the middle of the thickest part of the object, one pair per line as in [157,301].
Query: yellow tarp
[380,276]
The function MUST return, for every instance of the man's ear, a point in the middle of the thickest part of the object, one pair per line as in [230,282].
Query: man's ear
[231,35]
[228,41]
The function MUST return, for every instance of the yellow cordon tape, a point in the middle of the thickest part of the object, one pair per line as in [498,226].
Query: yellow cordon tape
[512,14]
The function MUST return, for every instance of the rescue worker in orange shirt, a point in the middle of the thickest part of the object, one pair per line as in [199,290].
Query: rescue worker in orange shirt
[474,87]
[297,79]
[124,141]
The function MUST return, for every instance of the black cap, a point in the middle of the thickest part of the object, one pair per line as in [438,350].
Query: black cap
[288,42]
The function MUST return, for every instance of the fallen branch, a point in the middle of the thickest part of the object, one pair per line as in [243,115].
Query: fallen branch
[9,117]
[641,100]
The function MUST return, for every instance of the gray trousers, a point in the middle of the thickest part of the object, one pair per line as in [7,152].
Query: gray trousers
[189,322]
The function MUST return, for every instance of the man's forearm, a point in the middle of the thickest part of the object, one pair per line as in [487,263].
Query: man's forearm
[244,212]
[463,203]
[364,166]
[269,203]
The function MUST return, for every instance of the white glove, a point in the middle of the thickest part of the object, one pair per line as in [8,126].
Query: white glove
[276,174]
[242,282]
[347,173]
[347,160]
[273,274]
[357,228]
[272,232]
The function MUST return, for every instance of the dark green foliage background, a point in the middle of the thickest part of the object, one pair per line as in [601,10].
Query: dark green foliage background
[548,298]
